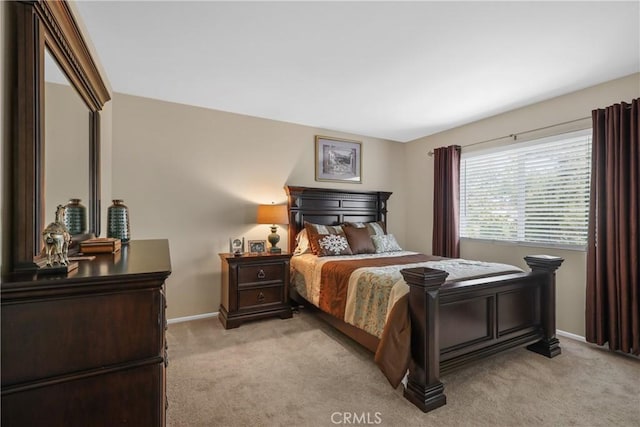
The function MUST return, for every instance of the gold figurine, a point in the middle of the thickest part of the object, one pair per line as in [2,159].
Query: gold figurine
[56,239]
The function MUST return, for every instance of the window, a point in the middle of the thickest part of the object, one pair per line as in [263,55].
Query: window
[533,193]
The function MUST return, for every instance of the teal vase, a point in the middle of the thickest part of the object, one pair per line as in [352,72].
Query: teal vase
[118,221]
[75,218]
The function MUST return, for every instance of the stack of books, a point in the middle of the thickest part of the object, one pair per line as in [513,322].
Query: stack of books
[100,245]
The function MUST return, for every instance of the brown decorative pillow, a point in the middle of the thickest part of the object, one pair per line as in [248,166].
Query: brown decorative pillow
[315,230]
[359,240]
[375,228]
[333,244]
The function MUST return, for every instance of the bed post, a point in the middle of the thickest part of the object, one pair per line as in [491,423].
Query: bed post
[424,388]
[548,346]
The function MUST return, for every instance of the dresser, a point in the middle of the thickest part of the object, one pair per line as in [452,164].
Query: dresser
[87,349]
[254,286]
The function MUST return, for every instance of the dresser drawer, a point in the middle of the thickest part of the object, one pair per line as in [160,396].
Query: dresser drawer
[252,274]
[260,296]
[47,338]
[133,397]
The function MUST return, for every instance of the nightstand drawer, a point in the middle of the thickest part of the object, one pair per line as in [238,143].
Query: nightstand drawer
[260,296]
[251,274]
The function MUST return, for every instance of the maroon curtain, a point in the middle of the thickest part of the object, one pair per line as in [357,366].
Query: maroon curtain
[613,294]
[446,202]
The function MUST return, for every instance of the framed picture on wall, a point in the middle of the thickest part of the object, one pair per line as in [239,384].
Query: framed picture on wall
[338,160]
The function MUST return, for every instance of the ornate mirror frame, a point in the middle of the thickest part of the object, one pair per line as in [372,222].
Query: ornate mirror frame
[50,24]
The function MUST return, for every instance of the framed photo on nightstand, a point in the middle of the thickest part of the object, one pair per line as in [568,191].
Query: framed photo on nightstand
[257,246]
[236,246]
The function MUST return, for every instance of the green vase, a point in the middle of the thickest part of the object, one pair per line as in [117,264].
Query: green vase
[118,221]
[75,218]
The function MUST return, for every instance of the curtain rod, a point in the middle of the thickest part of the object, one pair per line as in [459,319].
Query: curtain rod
[515,135]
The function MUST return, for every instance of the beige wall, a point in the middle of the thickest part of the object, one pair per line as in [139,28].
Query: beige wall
[195,176]
[419,196]
[66,136]
[66,132]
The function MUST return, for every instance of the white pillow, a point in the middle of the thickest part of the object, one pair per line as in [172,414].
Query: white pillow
[302,244]
[385,243]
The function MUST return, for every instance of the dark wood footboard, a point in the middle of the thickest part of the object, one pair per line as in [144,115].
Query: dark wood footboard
[459,322]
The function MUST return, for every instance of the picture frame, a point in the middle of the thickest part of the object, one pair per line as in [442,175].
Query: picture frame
[257,246]
[236,245]
[338,160]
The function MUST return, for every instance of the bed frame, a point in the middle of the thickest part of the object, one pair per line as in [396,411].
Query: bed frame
[452,324]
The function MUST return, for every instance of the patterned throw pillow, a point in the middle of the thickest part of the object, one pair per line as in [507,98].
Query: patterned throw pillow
[359,240]
[333,244]
[315,230]
[375,228]
[385,243]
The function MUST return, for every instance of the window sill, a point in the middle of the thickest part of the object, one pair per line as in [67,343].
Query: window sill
[577,248]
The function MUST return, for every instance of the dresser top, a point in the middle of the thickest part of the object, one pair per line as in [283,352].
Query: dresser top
[140,259]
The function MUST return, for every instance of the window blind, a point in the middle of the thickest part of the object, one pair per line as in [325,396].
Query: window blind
[534,192]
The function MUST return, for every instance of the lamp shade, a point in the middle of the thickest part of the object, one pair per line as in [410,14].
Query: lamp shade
[272,214]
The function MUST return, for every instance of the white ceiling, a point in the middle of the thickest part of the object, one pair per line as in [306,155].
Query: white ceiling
[394,70]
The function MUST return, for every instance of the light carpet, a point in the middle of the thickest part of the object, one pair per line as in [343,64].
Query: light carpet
[302,372]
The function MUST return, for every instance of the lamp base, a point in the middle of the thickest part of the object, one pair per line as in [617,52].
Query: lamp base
[274,239]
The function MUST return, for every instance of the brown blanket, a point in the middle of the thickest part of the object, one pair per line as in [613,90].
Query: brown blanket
[334,281]
[393,353]
[394,350]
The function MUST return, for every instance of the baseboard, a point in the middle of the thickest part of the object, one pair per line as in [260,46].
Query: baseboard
[570,335]
[603,347]
[189,318]
[215,314]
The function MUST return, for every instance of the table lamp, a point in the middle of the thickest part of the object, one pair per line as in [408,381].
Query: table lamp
[273,214]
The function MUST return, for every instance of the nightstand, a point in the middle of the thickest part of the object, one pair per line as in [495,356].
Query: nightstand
[254,286]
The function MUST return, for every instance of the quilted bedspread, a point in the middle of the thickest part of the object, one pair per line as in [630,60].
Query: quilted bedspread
[364,290]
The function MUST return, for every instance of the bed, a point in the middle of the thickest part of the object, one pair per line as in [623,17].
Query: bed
[452,323]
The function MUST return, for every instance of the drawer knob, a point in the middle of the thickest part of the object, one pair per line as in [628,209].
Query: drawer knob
[261,274]
[260,297]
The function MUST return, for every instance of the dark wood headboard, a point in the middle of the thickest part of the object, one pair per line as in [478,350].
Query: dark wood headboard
[327,206]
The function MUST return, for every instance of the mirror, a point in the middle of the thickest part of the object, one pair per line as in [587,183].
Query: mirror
[66,137]
[47,26]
